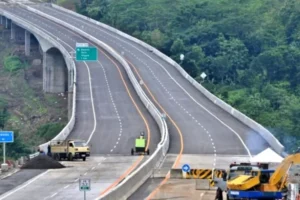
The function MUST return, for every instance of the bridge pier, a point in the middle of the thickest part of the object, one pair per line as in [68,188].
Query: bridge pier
[13,31]
[58,74]
[27,43]
[7,23]
[54,71]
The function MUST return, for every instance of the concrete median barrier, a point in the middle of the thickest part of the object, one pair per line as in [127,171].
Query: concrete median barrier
[176,173]
[133,181]
[69,61]
[267,135]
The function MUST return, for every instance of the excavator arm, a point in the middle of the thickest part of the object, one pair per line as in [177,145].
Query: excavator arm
[280,175]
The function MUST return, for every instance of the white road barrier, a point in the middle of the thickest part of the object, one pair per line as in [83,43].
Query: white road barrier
[267,135]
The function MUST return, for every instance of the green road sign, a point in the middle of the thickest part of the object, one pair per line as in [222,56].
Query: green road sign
[84,184]
[86,54]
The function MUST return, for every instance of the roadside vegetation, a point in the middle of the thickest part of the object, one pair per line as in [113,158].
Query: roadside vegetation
[34,117]
[249,49]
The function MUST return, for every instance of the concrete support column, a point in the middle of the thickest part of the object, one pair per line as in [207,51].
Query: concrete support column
[55,79]
[6,23]
[13,31]
[27,43]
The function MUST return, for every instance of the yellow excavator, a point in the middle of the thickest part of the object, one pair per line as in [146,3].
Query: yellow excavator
[261,183]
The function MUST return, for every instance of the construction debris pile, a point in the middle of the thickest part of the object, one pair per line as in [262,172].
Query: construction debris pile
[42,162]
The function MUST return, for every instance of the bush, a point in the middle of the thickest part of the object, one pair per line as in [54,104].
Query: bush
[49,131]
[12,64]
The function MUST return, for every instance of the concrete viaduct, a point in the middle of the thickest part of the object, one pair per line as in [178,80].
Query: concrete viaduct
[58,75]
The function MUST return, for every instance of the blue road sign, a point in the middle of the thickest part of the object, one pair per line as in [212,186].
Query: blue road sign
[6,136]
[186,168]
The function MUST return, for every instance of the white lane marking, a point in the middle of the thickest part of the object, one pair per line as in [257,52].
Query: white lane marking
[101,29]
[66,186]
[93,168]
[53,195]
[76,180]
[113,102]
[85,173]
[23,185]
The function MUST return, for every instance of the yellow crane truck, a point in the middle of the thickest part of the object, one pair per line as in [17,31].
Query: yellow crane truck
[261,183]
[68,149]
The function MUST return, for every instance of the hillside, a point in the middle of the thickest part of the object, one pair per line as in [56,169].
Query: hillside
[248,48]
[34,116]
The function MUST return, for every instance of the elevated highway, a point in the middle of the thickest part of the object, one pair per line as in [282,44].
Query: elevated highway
[196,124]
[109,116]
[205,128]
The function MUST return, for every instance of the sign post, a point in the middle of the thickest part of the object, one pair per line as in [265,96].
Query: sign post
[84,185]
[5,137]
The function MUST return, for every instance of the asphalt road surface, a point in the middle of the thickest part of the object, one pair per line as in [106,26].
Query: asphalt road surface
[63,184]
[111,121]
[206,128]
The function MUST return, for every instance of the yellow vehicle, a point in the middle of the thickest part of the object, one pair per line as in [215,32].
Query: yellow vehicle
[68,149]
[277,182]
[140,145]
[260,183]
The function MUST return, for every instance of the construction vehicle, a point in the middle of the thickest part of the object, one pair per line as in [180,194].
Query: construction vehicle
[140,145]
[68,149]
[257,182]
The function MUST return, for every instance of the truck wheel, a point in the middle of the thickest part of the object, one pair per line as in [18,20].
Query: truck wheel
[70,157]
[132,152]
[56,157]
[84,158]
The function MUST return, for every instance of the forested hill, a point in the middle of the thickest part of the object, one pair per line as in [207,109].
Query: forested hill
[249,48]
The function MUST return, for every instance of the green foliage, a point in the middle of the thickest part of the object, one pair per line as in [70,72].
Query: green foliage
[16,149]
[249,49]
[49,131]
[12,63]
